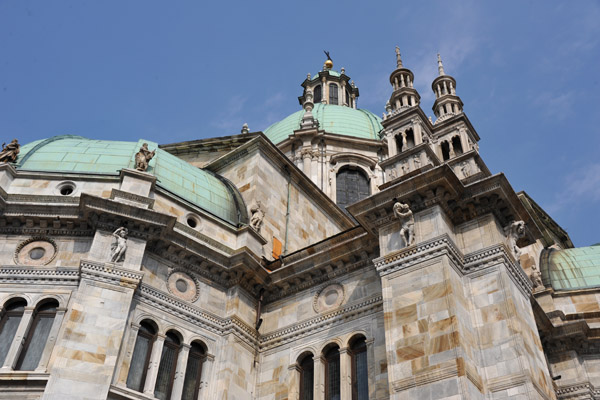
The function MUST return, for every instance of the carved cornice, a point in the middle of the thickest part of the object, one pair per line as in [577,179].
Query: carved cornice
[580,390]
[109,273]
[121,194]
[24,274]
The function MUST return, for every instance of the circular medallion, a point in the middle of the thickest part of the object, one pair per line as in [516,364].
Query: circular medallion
[35,251]
[182,285]
[328,298]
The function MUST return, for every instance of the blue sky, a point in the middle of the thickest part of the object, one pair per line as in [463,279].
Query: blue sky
[527,72]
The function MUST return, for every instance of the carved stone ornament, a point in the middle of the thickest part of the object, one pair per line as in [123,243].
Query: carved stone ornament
[183,286]
[143,157]
[257,216]
[536,278]
[514,232]
[10,151]
[37,250]
[407,231]
[119,245]
[329,298]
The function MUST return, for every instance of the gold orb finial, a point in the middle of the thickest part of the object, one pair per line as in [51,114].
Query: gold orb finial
[329,64]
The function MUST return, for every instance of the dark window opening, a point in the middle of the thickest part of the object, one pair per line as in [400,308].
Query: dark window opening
[141,356]
[457,145]
[348,99]
[37,337]
[167,366]
[360,377]
[399,143]
[332,374]
[410,139]
[193,372]
[352,185]
[307,367]
[333,94]
[445,150]
[318,94]
[9,324]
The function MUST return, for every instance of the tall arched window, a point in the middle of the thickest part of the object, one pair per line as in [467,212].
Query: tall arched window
[307,377]
[332,373]
[410,139]
[457,145]
[193,372]
[360,378]
[13,312]
[37,336]
[318,94]
[333,94]
[445,150]
[141,356]
[352,185]
[167,366]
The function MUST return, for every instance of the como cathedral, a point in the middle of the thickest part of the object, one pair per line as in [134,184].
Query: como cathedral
[335,255]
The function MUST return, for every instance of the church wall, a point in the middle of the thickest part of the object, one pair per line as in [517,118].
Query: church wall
[49,186]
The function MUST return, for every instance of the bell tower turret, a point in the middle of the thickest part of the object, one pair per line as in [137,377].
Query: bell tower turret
[447,103]
[404,95]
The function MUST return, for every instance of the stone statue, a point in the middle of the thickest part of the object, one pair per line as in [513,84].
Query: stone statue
[514,232]
[417,161]
[403,212]
[536,277]
[143,157]
[465,168]
[10,152]
[404,167]
[119,246]
[257,216]
[392,174]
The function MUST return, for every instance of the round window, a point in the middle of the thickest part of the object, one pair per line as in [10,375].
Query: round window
[36,253]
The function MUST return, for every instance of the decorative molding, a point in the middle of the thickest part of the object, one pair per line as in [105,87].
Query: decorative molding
[109,273]
[190,294]
[43,242]
[320,299]
[23,274]
[120,194]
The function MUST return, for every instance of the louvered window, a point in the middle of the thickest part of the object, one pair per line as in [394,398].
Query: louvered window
[351,186]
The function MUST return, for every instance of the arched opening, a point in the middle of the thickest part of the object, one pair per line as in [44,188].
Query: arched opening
[360,372]
[141,355]
[11,318]
[457,145]
[332,373]
[352,185]
[167,366]
[333,94]
[445,150]
[399,143]
[37,336]
[307,376]
[318,94]
[193,371]
[410,139]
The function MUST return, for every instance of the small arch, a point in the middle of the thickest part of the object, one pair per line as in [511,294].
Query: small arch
[201,339]
[354,336]
[50,297]
[17,296]
[317,94]
[445,150]
[147,318]
[457,145]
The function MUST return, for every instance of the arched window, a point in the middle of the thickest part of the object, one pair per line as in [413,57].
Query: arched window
[457,145]
[360,379]
[410,139]
[193,372]
[445,150]
[352,185]
[37,336]
[333,94]
[318,94]
[332,373]
[399,144]
[167,366]
[307,377]
[13,312]
[141,356]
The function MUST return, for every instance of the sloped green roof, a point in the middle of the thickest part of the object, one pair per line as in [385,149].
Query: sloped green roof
[570,269]
[76,154]
[333,119]
[331,72]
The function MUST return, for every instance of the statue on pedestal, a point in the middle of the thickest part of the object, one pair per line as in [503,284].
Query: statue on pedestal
[143,157]
[10,151]
[403,212]
[119,246]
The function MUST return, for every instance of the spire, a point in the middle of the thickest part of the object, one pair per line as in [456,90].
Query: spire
[398,59]
[440,65]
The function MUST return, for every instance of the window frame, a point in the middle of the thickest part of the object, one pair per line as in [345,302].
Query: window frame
[151,340]
[357,346]
[201,356]
[334,94]
[329,356]
[8,313]
[37,316]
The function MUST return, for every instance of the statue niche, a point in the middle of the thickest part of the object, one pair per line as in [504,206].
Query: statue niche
[119,245]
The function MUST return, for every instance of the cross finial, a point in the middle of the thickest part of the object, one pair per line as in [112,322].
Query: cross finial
[440,65]
[398,59]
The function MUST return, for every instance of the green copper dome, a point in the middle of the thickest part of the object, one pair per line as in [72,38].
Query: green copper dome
[76,154]
[569,269]
[332,119]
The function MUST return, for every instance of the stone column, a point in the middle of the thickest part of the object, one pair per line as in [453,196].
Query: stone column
[207,367]
[153,365]
[18,341]
[319,378]
[58,318]
[294,381]
[345,374]
[306,157]
[123,368]
[180,372]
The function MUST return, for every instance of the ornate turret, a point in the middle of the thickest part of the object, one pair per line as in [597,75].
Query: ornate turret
[330,87]
[447,103]
[404,95]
